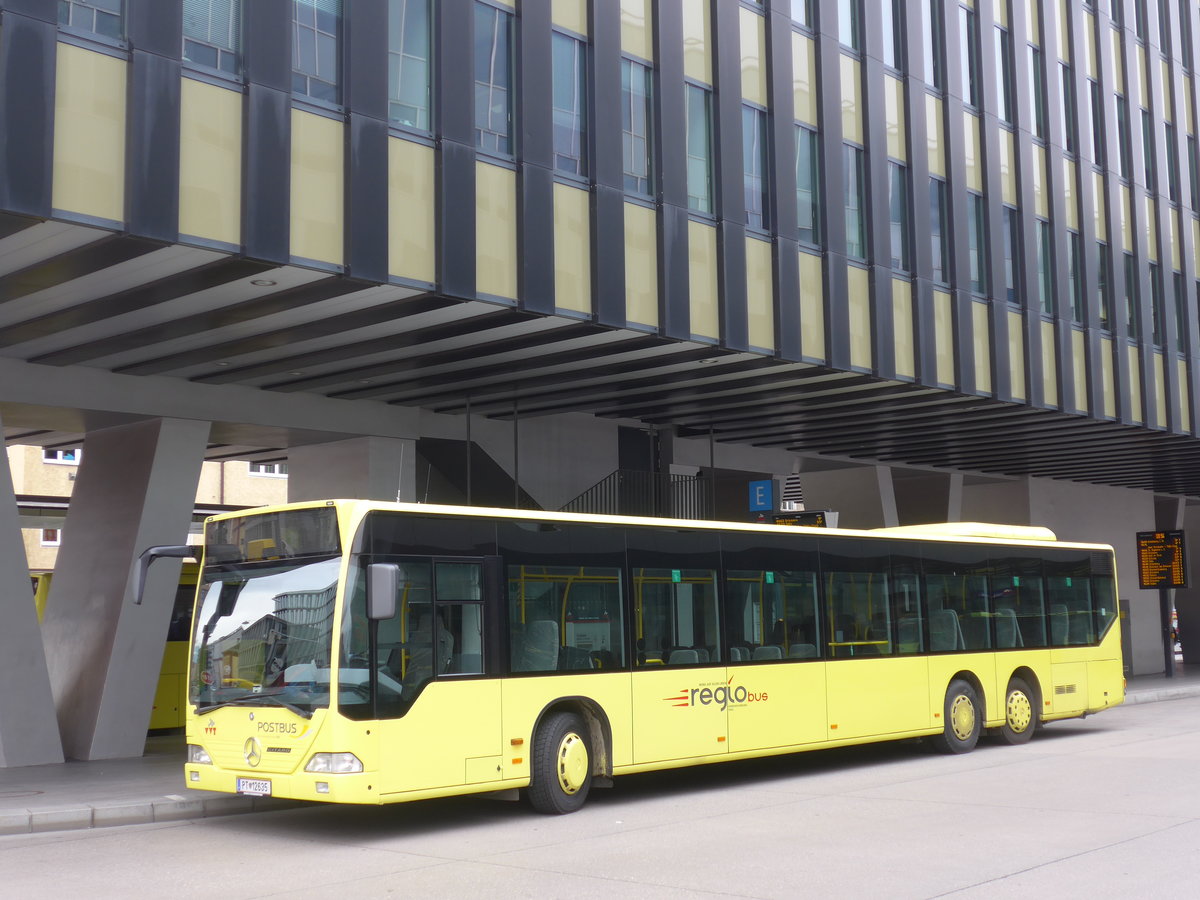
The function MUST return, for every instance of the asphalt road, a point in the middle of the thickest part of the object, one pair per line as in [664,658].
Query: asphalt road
[1107,807]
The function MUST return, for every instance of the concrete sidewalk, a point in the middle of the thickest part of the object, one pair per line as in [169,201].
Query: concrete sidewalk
[151,788]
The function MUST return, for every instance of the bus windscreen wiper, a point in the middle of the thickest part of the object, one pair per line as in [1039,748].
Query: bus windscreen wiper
[273,698]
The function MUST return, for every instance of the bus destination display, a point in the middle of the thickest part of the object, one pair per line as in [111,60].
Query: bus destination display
[1161,561]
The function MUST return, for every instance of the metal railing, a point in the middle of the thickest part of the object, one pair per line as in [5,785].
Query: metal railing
[629,493]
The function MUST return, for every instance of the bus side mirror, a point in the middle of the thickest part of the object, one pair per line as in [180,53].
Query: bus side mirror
[149,555]
[383,583]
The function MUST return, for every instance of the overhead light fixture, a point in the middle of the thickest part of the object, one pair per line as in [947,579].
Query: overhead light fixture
[710,360]
[295,373]
[264,282]
[222,364]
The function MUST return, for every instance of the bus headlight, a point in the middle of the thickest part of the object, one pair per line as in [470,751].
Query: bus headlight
[334,763]
[197,754]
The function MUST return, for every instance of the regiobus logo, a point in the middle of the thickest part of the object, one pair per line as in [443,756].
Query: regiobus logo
[721,694]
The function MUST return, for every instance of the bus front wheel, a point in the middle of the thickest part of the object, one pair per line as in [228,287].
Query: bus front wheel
[962,719]
[1020,713]
[562,765]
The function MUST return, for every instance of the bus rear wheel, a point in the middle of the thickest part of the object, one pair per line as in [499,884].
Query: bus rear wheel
[962,719]
[1020,713]
[562,765]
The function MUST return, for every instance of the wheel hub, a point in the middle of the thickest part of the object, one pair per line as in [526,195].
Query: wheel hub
[962,717]
[572,763]
[1019,711]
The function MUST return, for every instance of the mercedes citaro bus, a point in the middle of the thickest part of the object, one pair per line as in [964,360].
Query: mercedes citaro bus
[362,652]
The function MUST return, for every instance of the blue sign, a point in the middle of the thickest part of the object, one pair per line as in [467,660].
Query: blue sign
[762,496]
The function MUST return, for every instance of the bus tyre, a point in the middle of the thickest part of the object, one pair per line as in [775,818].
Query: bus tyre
[1020,713]
[962,719]
[562,765]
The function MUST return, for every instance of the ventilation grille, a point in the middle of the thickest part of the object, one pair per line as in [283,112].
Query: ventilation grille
[1061,689]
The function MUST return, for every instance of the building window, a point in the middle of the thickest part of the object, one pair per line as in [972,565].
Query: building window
[1012,259]
[1004,75]
[969,56]
[51,537]
[1069,123]
[493,79]
[212,33]
[1103,292]
[893,33]
[570,105]
[1172,162]
[856,242]
[1045,268]
[802,13]
[101,17]
[976,244]
[1139,19]
[754,167]
[267,468]
[1123,137]
[409,63]
[316,49]
[1097,123]
[1132,326]
[898,214]
[1180,311]
[1193,170]
[69,456]
[808,185]
[699,148]
[937,229]
[1037,92]
[1158,324]
[1075,277]
[636,100]
[935,60]
[848,23]
[1148,149]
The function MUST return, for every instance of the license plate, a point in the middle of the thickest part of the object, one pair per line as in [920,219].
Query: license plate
[259,787]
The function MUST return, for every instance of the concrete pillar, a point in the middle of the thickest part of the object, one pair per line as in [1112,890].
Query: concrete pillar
[136,488]
[1187,600]
[929,498]
[366,468]
[28,726]
[864,497]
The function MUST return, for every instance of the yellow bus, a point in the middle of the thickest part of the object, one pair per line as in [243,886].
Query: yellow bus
[361,652]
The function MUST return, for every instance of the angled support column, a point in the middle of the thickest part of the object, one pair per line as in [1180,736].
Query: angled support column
[28,727]
[136,487]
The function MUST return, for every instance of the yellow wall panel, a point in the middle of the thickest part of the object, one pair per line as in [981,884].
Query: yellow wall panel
[1185,417]
[1118,60]
[495,230]
[1049,365]
[1160,391]
[1008,174]
[851,104]
[210,162]
[1064,35]
[411,243]
[1139,56]
[1189,118]
[1000,11]
[89,134]
[983,347]
[902,331]
[570,14]
[1195,239]
[1089,32]
[1107,382]
[1135,383]
[934,136]
[754,69]
[1079,367]
[318,181]
[641,265]
[637,24]
[1032,17]
[702,280]
[1016,354]
[858,298]
[1175,240]
[1070,195]
[804,79]
[974,172]
[1164,83]
[760,295]
[1041,205]
[812,307]
[573,250]
[1151,228]
[1099,206]
[897,138]
[1126,220]
[943,336]
[697,40]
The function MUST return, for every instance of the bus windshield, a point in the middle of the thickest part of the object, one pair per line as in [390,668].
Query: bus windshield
[263,633]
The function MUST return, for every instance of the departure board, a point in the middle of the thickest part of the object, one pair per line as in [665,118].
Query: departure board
[1161,560]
